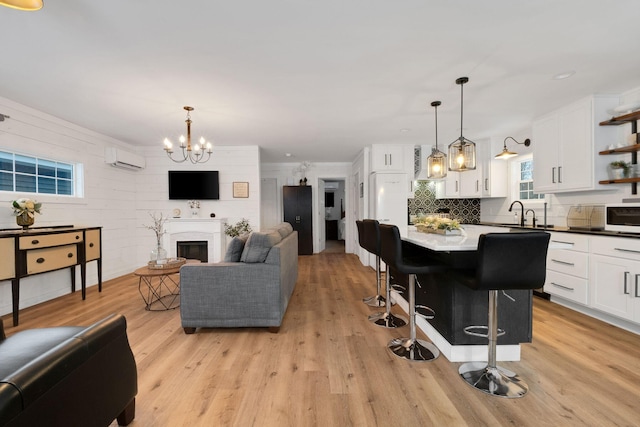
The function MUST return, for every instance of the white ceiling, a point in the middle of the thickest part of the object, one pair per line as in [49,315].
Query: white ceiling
[318,79]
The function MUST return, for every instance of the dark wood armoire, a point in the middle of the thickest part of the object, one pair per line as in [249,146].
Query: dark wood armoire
[298,211]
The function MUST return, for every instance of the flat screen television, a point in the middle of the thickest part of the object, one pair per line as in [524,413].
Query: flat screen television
[194,185]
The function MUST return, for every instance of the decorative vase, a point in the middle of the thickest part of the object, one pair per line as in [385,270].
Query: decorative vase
[158,254]
[24,220]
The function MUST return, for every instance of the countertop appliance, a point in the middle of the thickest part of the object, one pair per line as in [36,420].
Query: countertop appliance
[623,217]
[586,217]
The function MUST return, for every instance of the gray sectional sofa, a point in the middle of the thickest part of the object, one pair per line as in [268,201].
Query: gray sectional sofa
[250,288]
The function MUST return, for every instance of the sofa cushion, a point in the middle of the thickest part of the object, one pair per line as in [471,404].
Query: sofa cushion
[284,229]
[236,246]
[258,246]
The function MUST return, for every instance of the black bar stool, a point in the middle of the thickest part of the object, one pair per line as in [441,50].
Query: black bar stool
[369,239]
[396,257]
[505,261]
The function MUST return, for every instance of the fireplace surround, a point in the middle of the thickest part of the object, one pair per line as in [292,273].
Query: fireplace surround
[209,230]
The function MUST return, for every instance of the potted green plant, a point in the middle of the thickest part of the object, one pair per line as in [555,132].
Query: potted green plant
[619,169]
[239,228]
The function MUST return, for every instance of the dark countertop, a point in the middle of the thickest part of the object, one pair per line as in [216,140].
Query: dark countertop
[566,230]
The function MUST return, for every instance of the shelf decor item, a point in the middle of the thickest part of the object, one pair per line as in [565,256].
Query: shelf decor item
[158,254]
[195,208]
[24,210]
[619,169]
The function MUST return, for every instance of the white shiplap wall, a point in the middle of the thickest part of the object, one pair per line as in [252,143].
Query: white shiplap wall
[116,199]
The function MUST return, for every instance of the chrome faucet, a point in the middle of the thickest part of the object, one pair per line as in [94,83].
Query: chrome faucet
[521,211]
[534,216]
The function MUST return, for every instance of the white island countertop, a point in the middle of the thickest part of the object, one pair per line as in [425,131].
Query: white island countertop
[466,241]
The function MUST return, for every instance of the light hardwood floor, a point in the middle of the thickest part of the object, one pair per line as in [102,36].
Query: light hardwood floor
[328,366]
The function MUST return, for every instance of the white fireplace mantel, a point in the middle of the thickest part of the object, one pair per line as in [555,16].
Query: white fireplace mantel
[210,230]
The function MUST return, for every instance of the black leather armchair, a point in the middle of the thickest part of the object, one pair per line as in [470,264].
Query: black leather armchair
[72,376]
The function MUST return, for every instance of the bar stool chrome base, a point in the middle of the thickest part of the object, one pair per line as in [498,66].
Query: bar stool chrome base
[496,381]
[413,349]
[388,320]
[375,301]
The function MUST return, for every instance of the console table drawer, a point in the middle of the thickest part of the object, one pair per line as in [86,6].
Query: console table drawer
[48,259]
[92,244]
[8,254]
[47,240]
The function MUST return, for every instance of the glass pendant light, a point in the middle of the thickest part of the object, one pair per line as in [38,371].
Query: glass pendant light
[462,152]
[437,161]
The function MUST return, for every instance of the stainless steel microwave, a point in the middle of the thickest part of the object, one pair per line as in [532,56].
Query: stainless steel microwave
[622,217]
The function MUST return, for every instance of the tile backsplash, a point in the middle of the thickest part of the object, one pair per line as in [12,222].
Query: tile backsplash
[466,211]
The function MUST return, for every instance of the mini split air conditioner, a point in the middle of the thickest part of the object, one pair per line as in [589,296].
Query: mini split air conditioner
[120,158]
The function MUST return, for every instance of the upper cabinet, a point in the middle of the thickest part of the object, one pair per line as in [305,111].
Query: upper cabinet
[392,158]
[565,143]
[489,179]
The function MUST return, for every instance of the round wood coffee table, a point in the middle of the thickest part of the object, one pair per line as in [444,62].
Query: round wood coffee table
[159,288]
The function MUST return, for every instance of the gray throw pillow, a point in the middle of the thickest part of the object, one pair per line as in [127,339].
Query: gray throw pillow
[258,246]
[235,248]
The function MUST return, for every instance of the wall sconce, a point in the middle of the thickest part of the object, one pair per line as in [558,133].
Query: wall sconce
[506,154]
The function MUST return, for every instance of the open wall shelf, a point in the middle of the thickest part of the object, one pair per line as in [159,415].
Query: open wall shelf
[633,149]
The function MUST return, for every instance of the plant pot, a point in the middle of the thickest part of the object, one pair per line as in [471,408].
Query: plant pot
[616,173]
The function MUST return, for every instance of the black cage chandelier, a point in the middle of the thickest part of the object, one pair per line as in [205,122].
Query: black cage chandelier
[462,152]
[194,154]
[437,161]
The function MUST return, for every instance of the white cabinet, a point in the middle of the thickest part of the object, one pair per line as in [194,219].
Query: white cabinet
[568,269]
[460,185]
[565,146]
[392,158]
[495,176]
[615,277]
[489,179]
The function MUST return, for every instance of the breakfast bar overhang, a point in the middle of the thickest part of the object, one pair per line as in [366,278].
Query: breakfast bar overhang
[457,306]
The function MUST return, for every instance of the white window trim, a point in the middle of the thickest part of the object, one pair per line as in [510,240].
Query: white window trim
[514,175]
[78,182]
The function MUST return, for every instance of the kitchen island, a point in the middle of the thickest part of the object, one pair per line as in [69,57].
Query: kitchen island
[457,306]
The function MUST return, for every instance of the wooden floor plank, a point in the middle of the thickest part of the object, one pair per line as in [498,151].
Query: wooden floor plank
[329,366]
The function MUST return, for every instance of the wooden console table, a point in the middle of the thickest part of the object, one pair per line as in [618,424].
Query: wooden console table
[43,249]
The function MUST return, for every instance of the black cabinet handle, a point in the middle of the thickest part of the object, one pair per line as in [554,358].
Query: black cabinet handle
[90,245]
[40,260]
[35,241]
[77,237]
[70,255]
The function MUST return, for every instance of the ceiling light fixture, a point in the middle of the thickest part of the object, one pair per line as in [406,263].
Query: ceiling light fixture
[437,161]
[28,5]
[462,152]
[195,154]
[506,154]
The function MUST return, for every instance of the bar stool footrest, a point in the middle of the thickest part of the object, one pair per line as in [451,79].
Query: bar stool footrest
[430,312]
[469,330]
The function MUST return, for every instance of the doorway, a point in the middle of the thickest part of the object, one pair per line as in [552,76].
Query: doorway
[334,215]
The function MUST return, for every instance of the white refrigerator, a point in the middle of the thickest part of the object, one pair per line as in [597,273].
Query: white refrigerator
[389,204]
